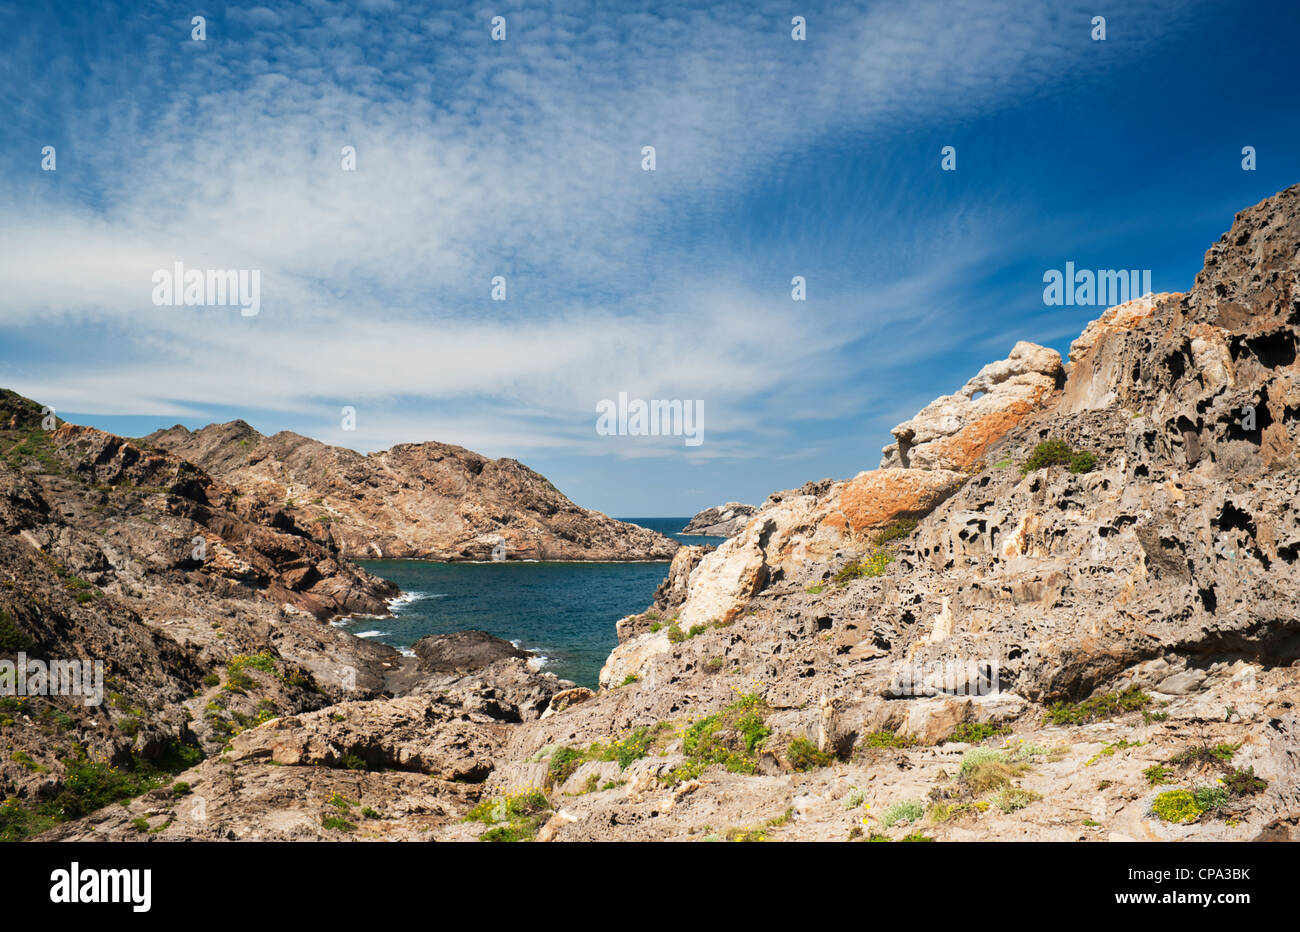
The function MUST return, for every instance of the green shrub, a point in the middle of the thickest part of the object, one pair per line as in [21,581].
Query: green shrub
[815,589]
[89,785]
[897,530]
[1244,782]
[1210,798]
[1097,707]
[18,822]
[13,638]
[909,810]
[803,755]
[1048,453]
[21,757]
[634,747]
[675,633]
[1204,754]
[706,742]
[1058,453]
[885,738]
[337,823]
[1158,774]
[1178,806]
[975,732]
[513,817]
[1083,461]
[563,763]
[1012,798]
[752,728]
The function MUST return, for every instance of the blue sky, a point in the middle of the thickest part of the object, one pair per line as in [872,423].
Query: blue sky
[522,158]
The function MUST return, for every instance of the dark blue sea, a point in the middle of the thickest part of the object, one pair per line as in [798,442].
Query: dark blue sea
[565,612]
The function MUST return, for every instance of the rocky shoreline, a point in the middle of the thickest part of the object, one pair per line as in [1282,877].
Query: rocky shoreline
[1064,607]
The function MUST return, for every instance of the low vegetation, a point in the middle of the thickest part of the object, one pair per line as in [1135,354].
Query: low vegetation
[804,755]
[975,732]
[1107,705]
[761,832]
[1013,798]
[910,810]
[1216,755]
[634,746]
[1058,453]
[88,785]
[1177,806]
[13,638]
[1158,775]
[866,568]
[896,530]
[885,738]
[731,738]
[512,817]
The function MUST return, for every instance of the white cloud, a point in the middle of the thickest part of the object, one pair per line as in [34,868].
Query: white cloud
[480,158]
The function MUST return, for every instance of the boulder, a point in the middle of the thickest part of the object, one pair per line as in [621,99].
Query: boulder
[462,651]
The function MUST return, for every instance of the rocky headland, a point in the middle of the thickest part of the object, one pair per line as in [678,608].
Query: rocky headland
[424,501]
[1064,607]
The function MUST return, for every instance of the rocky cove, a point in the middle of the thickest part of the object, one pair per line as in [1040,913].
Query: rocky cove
[1102,528]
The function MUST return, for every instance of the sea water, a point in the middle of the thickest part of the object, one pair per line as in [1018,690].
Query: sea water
[562,612]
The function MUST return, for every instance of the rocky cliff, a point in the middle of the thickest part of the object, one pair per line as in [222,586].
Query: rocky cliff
[207,623]
[430,501]
[141,561]
[1064,607]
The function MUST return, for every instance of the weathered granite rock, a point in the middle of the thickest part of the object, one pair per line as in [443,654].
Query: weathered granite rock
[462,651]
[137,560]
[722,521]
[828,522]
[954,431]
[414,733]
[669,595]
[508,690]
